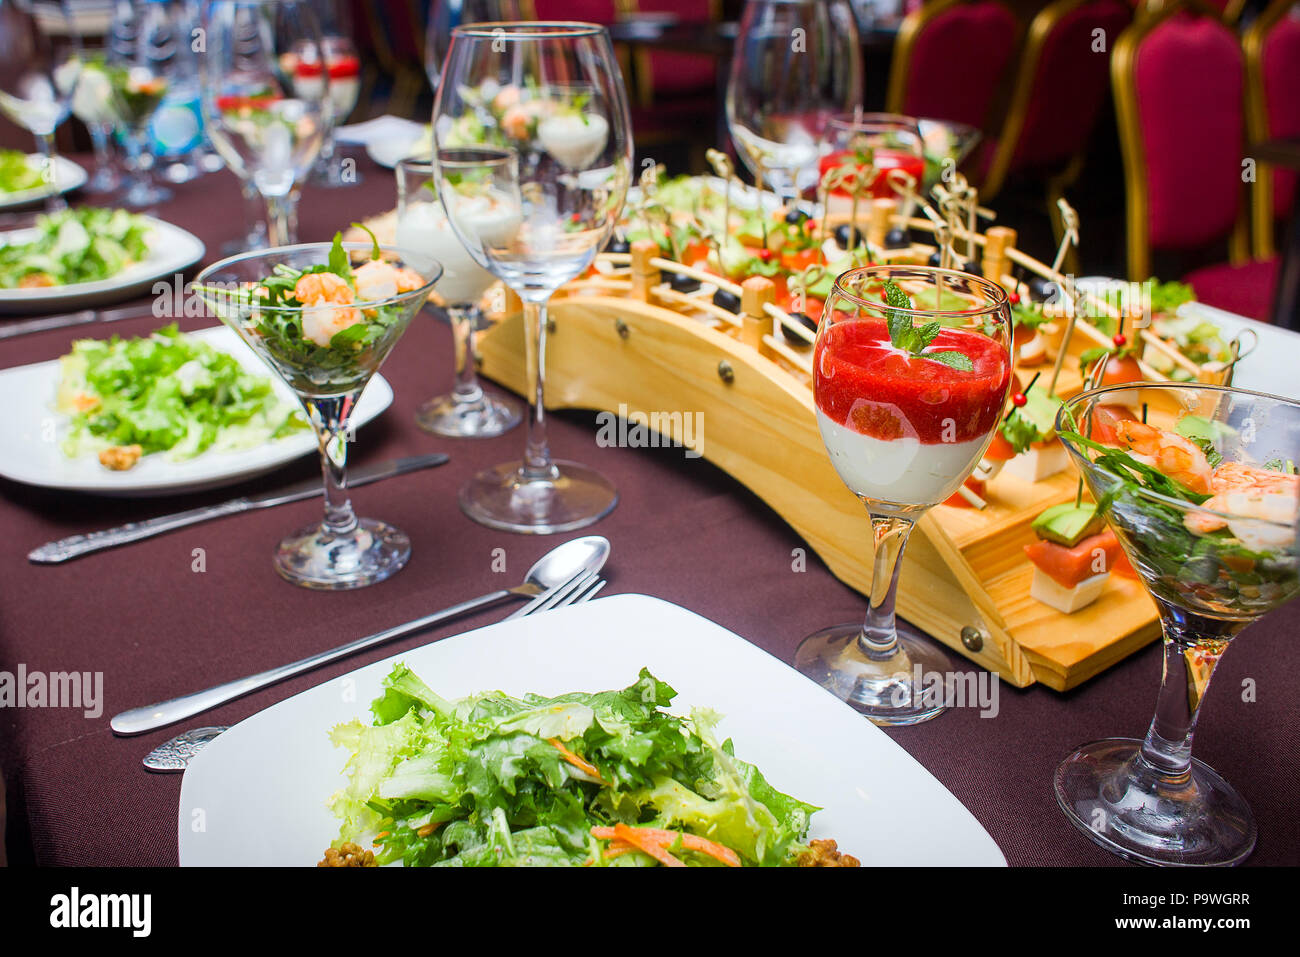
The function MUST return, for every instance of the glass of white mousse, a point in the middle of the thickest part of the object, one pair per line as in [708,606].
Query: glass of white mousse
[424,233]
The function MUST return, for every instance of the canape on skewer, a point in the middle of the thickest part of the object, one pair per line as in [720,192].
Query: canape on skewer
[1072,558]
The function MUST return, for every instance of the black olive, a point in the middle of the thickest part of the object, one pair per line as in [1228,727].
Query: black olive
[849,237]
[936,259]
[797,217]
[973,267]
[616,245]
[896,238]
[1041,289]
[683,283]
[804,320]
[726,300]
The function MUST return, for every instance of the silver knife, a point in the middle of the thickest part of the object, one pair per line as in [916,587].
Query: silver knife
[52,553]
[81,318]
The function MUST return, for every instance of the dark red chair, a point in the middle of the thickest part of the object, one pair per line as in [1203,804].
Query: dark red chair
[589,11]
[1057,97]
[1272,46]
[950,61]
[1178,82]
[670,73]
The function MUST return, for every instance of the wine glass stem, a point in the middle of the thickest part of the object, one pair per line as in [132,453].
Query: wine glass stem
[330,417]
[879,638]
[463,319]
[537,454]
[54,202]
[280,220]
[1189,662]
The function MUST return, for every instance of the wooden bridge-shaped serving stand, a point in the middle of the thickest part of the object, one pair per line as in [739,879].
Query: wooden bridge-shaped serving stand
[622,337]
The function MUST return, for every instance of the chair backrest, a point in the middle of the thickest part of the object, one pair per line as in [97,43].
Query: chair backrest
[1178,78]
[589,11]
[1062,82]
[671,72]
[1272,45]
[950,59]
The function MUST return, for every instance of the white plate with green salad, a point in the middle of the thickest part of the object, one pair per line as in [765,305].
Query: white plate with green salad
[22,179]
[201,408]
[89,256]
[623,731]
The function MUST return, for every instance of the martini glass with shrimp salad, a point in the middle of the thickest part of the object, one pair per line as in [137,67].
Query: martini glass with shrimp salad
[1202,492]
[911,370]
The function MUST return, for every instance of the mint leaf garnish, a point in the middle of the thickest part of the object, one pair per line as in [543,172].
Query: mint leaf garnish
[956,360]
[904,334]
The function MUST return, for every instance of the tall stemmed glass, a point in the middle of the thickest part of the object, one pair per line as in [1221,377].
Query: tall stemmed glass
[267,130]
[139,83]
[911,369]
[327,352]
[422,229]
[445,15]
[796,64]
[40,63]
[1205,501]
[341,69]
[534,156]
[92,103]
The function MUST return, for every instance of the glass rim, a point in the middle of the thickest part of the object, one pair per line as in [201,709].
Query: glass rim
[996,293]
[401,298]
[852,120]
[492,156]
[1179,503]
[528,29]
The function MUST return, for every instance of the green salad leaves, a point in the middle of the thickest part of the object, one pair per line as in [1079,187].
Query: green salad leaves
[18,173]
[493,780]
[166,392]
[76,245]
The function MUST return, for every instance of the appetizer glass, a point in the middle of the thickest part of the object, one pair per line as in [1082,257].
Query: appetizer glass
[40,64]
[138,82]
[1212,568]
[423,231]
[533,150]
[903,431]
[343,551]
[893,142]
[796,64]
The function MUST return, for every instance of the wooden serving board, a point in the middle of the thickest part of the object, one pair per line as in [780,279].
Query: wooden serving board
[965,579]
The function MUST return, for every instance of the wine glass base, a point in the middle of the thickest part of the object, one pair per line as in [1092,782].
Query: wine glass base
[104,181]
[144,194]
[502,498]
[1119,803]
[885,691]
[331,177]
[483,419]
[315,558]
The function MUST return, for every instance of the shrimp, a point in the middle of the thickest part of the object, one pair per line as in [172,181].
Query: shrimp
[1262,504]
[321,287]
[321,323]
[1177,457]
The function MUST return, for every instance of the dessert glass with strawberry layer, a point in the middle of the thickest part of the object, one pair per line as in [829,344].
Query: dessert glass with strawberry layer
[324,317]
[878,142]
[1204,499]
[907,400]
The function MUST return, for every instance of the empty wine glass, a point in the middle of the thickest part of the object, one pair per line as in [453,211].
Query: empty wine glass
[40,63]
[268,130]
[422,230]
[444,15]
[533,151]
[1203,496]
[92,103]
[341,71]
[796,64]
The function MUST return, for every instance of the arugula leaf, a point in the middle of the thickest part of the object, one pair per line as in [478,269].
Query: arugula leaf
[904,334]
[375,251]
[339,262]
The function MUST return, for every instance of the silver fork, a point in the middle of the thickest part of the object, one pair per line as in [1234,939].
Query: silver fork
[174,755]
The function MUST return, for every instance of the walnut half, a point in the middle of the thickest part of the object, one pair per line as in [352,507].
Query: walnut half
[119,458]
[347,855]
[826,854]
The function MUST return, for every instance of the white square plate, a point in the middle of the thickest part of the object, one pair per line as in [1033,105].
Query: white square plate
[32,433]
[256,795]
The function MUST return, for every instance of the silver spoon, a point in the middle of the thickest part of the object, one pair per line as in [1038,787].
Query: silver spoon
[173,757]
[556,567]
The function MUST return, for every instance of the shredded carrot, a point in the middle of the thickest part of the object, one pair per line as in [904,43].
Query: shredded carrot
[644,842]
[664,838]
[579,763]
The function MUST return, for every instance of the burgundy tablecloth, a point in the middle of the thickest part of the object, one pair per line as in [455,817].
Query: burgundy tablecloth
[683,531]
